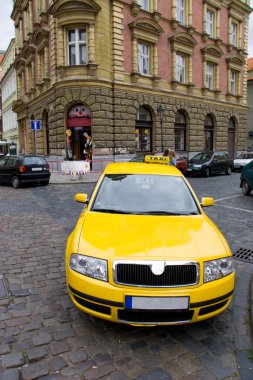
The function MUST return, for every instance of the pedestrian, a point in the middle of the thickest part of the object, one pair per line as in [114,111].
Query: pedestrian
[172,156]
[88,149]
[166,153]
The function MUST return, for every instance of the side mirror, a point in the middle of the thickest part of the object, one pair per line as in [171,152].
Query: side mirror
[82,198]
[206,202]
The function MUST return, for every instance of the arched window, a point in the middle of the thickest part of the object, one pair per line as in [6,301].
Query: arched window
[208,129]
[231,138]
[143,130]
[180,131]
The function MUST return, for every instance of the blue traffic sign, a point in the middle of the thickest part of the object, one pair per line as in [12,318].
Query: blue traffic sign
[35,125]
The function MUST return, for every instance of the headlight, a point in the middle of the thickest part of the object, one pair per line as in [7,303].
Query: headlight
[216,269]
[89,266]
[197,166]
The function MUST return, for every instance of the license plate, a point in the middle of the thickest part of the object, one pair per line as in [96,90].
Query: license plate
[156,303]
[36,169]
[189,170]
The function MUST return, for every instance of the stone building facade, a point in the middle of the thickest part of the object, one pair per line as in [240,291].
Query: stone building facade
[249,141]
[105,67]
[8,89]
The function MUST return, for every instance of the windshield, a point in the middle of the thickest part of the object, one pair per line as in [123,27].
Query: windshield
[144,194]
[34,161]
[246,156]
[202,157]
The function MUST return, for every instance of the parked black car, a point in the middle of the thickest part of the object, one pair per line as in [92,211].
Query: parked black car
[206,163]
[19,169]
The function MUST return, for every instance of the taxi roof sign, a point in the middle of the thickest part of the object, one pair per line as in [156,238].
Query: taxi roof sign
[157,159]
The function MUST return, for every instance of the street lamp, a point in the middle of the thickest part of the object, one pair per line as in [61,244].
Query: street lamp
[160,114]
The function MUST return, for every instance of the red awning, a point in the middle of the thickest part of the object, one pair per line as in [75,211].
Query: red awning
[79,122]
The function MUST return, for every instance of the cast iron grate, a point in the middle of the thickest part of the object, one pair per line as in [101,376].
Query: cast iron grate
[244,254]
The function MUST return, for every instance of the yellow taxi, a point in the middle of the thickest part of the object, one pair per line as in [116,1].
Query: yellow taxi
[143,252]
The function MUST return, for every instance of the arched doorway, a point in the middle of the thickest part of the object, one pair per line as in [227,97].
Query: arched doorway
[180,131]
[208,132]
[46,132]
[143,130]
[231,138]
[78,124]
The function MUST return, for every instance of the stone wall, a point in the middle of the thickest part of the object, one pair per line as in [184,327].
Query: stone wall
[114,117]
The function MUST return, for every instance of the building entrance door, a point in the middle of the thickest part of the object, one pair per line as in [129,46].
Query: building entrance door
[78,125]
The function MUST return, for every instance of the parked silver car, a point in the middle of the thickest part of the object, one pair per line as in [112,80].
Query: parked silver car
[242,160]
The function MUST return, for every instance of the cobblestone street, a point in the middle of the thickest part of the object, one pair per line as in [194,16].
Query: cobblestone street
[42,336]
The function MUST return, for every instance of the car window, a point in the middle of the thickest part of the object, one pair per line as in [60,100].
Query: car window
[221,156]
[2,162]
[202,157]
[34,161]
[144,194]
[245,156]
[10,162]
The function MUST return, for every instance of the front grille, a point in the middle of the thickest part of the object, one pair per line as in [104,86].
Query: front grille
[142,275]
[155,316]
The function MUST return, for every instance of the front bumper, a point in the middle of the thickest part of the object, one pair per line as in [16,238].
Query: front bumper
[34,177]
[195,171]
[109,301]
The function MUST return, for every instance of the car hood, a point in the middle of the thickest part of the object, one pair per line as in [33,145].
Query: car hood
[117,236]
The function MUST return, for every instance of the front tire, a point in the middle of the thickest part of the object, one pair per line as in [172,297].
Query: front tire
[207,172]
[228,171]
[246,190]
[15,182]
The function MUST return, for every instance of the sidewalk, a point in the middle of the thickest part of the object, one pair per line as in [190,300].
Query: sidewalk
[57,178]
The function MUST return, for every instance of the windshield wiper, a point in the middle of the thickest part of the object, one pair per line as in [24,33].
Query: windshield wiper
[111,211]
[165,213]
[157,213]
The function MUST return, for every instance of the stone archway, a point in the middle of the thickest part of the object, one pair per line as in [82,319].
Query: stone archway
[231,137]
[143,130]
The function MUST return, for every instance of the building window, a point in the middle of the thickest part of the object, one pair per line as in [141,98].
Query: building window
[144,4]
[234,34]
[208,130]
[233,82]
[180,68]
[210,76]
[77,46]
[210,22]
[144,59]
[180,131]
[143,130]
[180,11]
[42,65]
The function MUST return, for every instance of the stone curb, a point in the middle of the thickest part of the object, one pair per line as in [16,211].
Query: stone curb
[62,180]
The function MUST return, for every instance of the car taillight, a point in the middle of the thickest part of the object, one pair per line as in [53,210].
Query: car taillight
[22,169]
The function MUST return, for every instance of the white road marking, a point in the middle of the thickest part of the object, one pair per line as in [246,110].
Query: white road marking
[232,196]
[236,208]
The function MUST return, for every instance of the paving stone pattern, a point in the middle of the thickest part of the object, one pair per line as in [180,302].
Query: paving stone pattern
[42,336]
